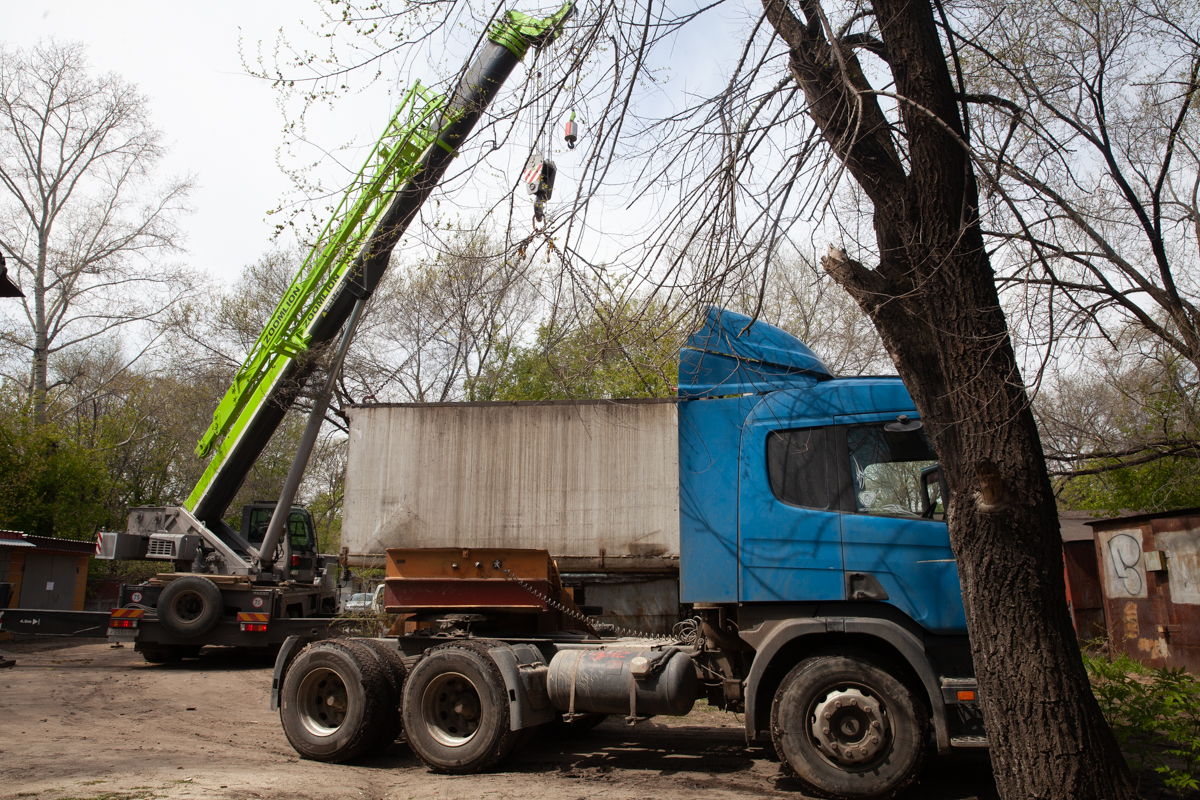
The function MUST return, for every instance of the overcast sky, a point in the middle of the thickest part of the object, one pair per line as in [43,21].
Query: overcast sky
[224,126]
[221,124]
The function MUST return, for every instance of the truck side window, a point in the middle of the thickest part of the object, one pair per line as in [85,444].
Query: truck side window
[798,467]
[260,518]
[887,468]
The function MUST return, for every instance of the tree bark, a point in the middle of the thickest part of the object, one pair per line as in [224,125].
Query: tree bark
[933,299]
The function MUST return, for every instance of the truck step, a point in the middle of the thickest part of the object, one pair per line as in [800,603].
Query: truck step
[968,741]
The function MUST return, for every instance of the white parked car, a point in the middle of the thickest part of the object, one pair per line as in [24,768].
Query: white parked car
[358,602]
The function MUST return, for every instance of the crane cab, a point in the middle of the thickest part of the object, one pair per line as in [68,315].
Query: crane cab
[296,553]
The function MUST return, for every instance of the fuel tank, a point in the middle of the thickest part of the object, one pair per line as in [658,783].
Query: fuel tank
[634,681]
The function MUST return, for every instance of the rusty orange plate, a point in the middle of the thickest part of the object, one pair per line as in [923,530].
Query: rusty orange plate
[446,562]
[425,594]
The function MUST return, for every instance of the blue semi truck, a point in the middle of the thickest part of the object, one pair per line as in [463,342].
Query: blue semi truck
[819,592]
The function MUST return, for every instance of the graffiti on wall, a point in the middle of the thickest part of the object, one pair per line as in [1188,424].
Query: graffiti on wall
[1124,570]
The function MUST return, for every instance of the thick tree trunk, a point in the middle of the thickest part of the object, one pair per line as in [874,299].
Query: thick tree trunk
[933,300]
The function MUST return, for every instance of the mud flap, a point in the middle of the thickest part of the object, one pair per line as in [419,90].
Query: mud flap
[524,675]
[291,646]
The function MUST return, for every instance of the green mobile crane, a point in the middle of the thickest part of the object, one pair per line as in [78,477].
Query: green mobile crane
[255,586]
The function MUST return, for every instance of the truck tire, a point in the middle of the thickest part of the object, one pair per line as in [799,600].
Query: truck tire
[334,701]
[875,735]
[395,673]
[456,709]
[191,606]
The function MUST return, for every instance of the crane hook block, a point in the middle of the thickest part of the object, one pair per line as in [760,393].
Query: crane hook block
[571,133]
[538,178]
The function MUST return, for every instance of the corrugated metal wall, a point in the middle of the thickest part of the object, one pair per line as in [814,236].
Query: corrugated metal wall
[1150,569]
[595,482]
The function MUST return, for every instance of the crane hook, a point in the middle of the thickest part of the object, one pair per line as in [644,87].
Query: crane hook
[571,132]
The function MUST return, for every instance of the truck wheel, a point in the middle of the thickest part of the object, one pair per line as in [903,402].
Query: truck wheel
[843,727]
[394,672]
[456,710]
[334,701]
[190,606]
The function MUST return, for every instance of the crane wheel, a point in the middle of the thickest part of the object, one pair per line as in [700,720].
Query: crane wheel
[190,606]
[395,673]
[456,713]
[170,653]
[334,702]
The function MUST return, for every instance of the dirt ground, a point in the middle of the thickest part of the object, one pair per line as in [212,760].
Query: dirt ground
[81,720]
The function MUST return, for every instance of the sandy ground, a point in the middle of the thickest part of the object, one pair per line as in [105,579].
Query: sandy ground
[81,720]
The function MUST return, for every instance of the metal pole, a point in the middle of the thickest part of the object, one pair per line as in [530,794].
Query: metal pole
[283,509]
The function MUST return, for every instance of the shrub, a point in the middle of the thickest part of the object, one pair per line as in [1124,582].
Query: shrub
[1155,715]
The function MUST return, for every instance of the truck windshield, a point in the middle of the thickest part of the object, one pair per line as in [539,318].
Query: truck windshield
[887,469]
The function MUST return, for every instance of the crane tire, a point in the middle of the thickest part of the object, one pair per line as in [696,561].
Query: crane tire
[190,606]
[334,702]
[395,673]
[456,709]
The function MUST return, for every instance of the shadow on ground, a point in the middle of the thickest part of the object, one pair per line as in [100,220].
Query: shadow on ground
[700,756]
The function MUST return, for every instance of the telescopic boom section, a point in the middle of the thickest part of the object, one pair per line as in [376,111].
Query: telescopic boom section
[352,254]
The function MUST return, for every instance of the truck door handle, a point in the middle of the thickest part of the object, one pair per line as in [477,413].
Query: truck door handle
[864,586]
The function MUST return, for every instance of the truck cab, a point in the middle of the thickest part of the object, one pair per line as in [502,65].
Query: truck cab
[811,521]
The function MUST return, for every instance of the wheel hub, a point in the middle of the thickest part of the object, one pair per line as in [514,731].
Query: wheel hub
[451,709]
[322,702]
[188,606]
[849,727]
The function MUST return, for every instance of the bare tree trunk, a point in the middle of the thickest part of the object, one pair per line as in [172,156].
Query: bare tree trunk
[78,212]
[934,301]
[39,380]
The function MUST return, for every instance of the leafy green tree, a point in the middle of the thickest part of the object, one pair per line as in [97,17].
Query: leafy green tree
[1123,437]
[52,486]
[619,348]
[1162,485]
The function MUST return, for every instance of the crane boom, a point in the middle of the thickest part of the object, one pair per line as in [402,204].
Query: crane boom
[352,255]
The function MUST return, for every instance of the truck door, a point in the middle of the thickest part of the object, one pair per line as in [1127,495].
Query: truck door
[894,550]
[302,546]
[789,540]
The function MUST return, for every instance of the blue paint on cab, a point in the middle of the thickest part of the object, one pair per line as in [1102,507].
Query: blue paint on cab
[742,382]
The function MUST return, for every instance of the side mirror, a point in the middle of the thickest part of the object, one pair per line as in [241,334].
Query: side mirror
[933,489]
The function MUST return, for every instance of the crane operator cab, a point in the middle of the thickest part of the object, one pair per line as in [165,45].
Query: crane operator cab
[296,553]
